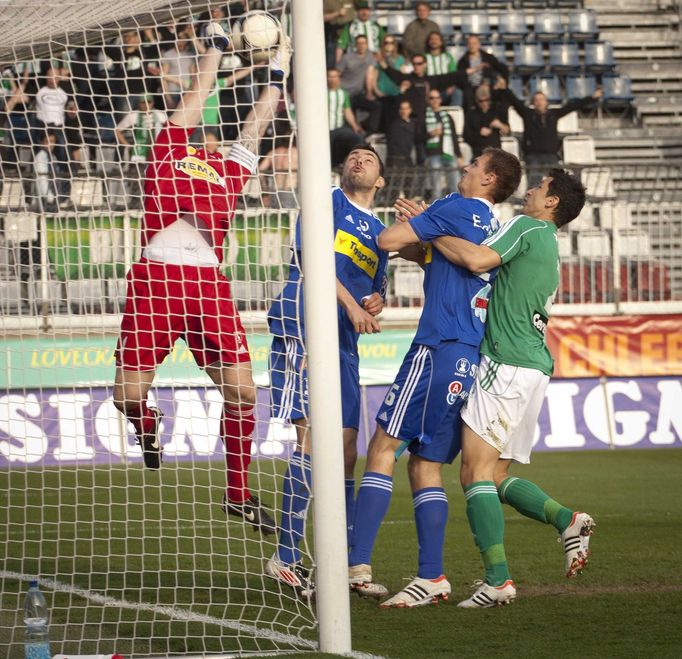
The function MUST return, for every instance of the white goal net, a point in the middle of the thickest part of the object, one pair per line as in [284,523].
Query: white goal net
[133,560]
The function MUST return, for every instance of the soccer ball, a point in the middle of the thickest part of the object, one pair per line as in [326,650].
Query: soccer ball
[260,30]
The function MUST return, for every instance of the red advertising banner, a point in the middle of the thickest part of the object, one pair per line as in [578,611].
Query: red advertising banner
[618,346]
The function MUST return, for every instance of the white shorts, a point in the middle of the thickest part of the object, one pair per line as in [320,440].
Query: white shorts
[504,405]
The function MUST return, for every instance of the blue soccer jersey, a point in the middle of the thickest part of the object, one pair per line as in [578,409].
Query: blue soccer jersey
[455,300]
[360,267]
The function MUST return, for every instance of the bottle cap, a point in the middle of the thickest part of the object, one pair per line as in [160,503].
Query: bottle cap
[33,584]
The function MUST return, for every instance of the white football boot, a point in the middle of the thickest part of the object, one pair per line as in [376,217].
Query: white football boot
[576,542]
[487,596]
[420,592]
[297,576]
[360,582]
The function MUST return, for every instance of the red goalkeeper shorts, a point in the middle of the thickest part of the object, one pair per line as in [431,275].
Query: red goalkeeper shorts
[166,302]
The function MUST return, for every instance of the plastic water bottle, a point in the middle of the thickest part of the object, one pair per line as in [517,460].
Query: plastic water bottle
[36,619]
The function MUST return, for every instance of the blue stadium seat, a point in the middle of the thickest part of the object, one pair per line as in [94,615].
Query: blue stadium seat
[547,26]
[475,22]
[512,26]
[599,57]
[582,25]
[396,22]
[444,21]
[548,84]
[516,85]
[496,49]
[456,50]
[564,57]
[528,58]
[579,86]
[617,89]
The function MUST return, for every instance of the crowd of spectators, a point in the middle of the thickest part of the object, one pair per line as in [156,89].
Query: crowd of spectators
[116,95]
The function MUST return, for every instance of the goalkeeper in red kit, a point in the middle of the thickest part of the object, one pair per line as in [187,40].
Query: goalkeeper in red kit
[176,289]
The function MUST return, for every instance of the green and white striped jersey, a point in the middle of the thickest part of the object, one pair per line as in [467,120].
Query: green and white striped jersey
[523,293]
[338,100]
[439,64]
[373,31]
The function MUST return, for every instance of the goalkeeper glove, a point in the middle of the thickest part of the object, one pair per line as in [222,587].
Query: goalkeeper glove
[280,62]
[214,37]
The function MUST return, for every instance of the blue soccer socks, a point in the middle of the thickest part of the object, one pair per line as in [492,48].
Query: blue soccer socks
[295,500]
[431,516]
[371,505]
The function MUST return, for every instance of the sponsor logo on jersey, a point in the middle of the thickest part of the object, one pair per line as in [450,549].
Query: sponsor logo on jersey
[462,366]
[349,218]
[365,258]
[428,256]
[364,229]
[540,322]
[199,169]
[454,390]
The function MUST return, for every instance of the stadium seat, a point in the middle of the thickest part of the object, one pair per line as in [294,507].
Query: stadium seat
[457,114]
[12,195]
[573,283]
[515,83]
[475,22]
[548,84]
[617,90]
[48,293]
[467,153]
[510,145]
[615,214]
[585,219]
[579,86]
[547,26]
[408,281]
[598,182]
[568,124]
[582,25]
[631,243]
[86,295]
[528,58]
[86,194]
[594,244]
[512,25]
[116,294]
[498,50]
[515,121]
[456,50]
[564,57]
[444,22]
[10,297]
[579,150]
[652,281]
[565,244]
[599,56]
[20,228]
[396,22]
[504,211]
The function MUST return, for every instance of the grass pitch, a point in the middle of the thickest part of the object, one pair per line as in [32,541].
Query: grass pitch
[161,538]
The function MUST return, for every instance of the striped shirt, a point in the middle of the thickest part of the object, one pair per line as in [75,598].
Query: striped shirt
[444,144]
[338,100]
[439,64]
[373,31]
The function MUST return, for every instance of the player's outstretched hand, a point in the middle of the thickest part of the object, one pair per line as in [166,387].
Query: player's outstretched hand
[280,63]
[214,37]
[373,304]
[408,208]
[363,321]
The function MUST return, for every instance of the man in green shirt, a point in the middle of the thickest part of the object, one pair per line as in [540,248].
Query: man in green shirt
[505,401]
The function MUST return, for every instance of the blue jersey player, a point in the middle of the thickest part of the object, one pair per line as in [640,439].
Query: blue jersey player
[360,289]
[421,409]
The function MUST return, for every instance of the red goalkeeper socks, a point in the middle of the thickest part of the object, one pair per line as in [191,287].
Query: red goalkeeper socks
[236,426]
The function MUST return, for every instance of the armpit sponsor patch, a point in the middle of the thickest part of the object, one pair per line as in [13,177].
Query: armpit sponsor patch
[540,322]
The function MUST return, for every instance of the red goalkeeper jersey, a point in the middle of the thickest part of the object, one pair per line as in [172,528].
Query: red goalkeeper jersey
[182,179]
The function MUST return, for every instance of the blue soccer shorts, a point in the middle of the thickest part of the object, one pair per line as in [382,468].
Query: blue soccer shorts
[289,382]
[423,405]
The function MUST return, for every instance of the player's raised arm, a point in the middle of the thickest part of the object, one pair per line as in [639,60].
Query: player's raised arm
[188,111]
[397,236]
[264,109]
[477,258]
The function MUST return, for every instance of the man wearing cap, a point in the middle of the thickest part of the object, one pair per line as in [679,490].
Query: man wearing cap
[361,26]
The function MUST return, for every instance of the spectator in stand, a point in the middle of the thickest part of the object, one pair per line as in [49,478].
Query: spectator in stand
[541,141]
[380,86]
[442,148]
[480,67]
[414,88]
[362,25]
[282,161]
[417,32]
[13,118]
[337,14]
[45,170]
[132,64]
[344,130]
[137,132]
[50,106]
[485,122]
[178,65]
[354,68]
[73,136]
[401,137]
[438,61]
